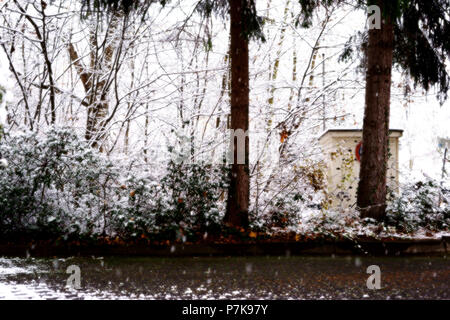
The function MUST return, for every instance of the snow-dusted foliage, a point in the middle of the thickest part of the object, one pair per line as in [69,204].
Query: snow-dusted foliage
[291,194]
[185,202]
[190,198]
[421,208]
[423,204]
[129,89]
[56,185]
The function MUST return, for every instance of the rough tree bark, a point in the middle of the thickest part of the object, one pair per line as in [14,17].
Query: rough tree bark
[238,194]
[372,182]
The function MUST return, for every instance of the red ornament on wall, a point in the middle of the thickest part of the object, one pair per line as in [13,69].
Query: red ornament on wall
[358,151]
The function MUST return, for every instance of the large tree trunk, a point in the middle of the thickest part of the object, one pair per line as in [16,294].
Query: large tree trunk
[372,177]
[239,190]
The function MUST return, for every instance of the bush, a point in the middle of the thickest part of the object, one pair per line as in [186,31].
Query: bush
[189,199]
[424,204]
[134,212]
[283,211]
[298,190]
[54,185]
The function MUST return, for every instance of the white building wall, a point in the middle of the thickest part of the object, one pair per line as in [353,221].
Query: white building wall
[339,147]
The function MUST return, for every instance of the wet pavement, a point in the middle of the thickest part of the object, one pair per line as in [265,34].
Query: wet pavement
[225,278]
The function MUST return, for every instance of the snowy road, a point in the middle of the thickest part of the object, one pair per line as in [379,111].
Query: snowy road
[225,278]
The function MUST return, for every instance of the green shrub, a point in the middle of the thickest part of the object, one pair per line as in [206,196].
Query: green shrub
[189,199]
[54,184]
[424,204]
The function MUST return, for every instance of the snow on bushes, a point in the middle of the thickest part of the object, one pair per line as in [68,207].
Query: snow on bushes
[423,204]
[57,186]
[54,184]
